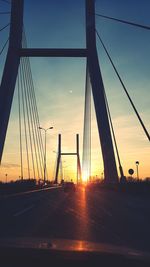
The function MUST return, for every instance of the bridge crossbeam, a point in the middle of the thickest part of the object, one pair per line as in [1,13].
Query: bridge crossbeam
[52,52]
[68,154]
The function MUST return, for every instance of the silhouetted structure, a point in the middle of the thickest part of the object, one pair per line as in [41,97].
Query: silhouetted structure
[15,52]
[60,153]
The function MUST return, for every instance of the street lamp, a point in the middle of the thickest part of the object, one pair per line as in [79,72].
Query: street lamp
[6,177]
[45,130]
[137,169]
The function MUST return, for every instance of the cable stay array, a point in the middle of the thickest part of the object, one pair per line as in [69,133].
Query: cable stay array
[31,145]
[122,177]
[30,138]
[86,156]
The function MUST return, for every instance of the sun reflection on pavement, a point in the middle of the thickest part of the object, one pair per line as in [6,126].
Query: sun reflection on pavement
[83,224]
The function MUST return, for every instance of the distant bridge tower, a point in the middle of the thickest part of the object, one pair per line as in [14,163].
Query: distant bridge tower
[60,153]
[15,52]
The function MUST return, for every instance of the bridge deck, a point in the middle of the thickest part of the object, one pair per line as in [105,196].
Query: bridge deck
[97,216]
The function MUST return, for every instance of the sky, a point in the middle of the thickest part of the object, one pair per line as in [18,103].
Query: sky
[60,83]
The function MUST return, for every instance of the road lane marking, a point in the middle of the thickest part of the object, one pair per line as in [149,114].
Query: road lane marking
[29,192]
[23,211]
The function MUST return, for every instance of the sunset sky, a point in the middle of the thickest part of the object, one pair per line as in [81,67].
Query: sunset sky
[60,83]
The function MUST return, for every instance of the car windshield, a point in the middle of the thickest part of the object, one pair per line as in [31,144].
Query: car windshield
[74,123]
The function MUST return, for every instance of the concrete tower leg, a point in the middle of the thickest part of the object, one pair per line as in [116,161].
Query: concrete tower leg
[11,68]
[110,169]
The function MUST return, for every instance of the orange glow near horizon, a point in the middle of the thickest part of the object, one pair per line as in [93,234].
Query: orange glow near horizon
[11,165]
[85,176]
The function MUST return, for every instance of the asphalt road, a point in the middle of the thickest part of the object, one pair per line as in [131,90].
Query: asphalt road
[98,216]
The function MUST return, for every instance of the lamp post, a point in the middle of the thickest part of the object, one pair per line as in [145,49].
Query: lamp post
[6,177]
[137,169]
[45,131]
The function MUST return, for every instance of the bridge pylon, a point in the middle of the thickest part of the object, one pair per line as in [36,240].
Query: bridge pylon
[15,52]
[60,154]
[110,169]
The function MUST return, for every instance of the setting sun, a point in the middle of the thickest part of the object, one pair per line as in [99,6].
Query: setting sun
[85,176]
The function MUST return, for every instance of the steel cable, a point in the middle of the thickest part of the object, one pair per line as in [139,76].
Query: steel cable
[145,27]
[124,87]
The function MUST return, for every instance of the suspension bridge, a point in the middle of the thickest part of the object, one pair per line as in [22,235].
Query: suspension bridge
[49,212]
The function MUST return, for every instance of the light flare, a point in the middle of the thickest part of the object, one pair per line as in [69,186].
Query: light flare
[85,176]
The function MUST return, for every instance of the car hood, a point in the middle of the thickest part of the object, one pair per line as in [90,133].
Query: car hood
[65,245]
